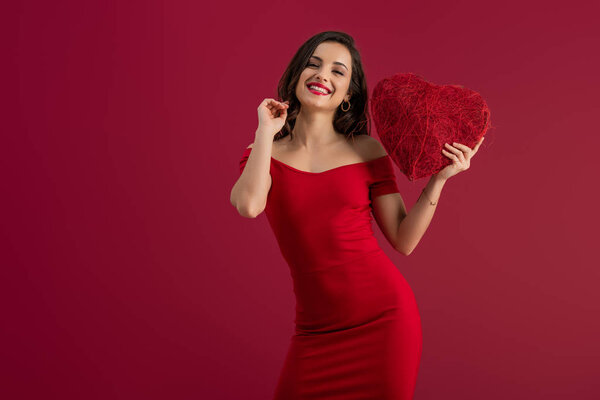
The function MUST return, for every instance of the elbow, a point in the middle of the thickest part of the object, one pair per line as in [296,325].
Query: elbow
[407,252]
[249,212]
[403,250]
[246,209]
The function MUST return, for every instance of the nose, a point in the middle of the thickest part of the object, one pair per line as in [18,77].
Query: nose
[321,78]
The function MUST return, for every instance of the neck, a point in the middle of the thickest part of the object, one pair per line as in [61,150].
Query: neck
[314,129]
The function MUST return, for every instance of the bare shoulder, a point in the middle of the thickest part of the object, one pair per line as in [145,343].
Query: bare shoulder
[369,147]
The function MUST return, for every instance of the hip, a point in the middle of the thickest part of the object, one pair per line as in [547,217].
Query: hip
[352,294]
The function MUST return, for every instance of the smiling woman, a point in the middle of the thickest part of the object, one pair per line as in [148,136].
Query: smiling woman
[333,54]
[321,178]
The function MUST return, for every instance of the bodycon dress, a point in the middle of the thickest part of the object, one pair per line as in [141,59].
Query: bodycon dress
[357,329]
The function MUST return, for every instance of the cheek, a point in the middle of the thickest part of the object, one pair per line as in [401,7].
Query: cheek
[342,88]
[303,78]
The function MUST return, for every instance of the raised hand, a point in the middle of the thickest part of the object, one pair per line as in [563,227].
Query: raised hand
[460,155]
[272,115]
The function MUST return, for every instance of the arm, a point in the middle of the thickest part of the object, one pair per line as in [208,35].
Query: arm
[403,229]
[412,228]
[249,193]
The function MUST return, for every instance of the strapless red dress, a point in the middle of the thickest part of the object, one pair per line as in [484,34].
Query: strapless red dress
[357,326]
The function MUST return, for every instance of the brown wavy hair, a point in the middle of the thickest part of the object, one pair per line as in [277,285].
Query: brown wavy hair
[355,121]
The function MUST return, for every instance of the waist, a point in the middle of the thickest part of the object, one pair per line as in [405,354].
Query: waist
[313,263]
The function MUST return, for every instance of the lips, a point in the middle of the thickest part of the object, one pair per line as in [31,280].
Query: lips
[319,85]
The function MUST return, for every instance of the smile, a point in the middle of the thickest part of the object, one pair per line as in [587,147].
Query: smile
[317,90]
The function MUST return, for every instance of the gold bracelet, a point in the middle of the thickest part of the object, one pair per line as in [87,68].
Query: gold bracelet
[430,202]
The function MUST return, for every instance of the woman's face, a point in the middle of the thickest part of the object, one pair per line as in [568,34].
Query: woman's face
[331,66]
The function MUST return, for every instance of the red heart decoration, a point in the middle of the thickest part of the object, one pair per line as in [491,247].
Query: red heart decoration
[414,118]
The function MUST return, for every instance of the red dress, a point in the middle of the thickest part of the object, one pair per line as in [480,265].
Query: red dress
[357,326]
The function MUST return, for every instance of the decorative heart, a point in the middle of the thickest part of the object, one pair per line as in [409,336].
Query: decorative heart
[414,118]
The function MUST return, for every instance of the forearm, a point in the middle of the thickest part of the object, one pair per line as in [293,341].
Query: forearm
[413,226]
[250,192]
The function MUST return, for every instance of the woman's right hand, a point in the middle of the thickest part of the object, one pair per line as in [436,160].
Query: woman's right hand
[272,115]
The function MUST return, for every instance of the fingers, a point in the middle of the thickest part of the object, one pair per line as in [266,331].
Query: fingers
[271,103]
[462,147]
[465,150]
[277,109]
[450,155]
[264,103]
[454,150]
[282,110]
[276,105]
[477,146]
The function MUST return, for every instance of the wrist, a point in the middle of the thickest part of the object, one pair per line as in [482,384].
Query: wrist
[438,178]
[263,134]
[263,141]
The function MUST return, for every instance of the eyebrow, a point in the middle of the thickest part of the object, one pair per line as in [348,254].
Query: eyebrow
[335,62]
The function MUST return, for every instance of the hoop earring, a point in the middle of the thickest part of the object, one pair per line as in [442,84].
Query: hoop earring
[346,108]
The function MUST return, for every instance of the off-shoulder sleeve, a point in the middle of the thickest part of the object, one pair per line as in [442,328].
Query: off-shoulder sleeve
[245,155]
[383,179]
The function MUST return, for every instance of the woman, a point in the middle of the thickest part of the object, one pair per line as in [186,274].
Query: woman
[318,175]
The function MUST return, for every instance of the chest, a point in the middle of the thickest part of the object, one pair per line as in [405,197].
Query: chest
[324,193]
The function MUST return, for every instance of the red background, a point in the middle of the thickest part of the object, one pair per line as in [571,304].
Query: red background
[127,274]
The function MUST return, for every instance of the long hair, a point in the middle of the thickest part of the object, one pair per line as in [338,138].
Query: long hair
[355,121]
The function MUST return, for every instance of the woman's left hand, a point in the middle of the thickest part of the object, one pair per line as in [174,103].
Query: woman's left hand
[460,155]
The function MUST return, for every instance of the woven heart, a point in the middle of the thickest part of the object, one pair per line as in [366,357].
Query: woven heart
[414,118]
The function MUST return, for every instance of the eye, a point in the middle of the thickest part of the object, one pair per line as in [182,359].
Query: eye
[315,65]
